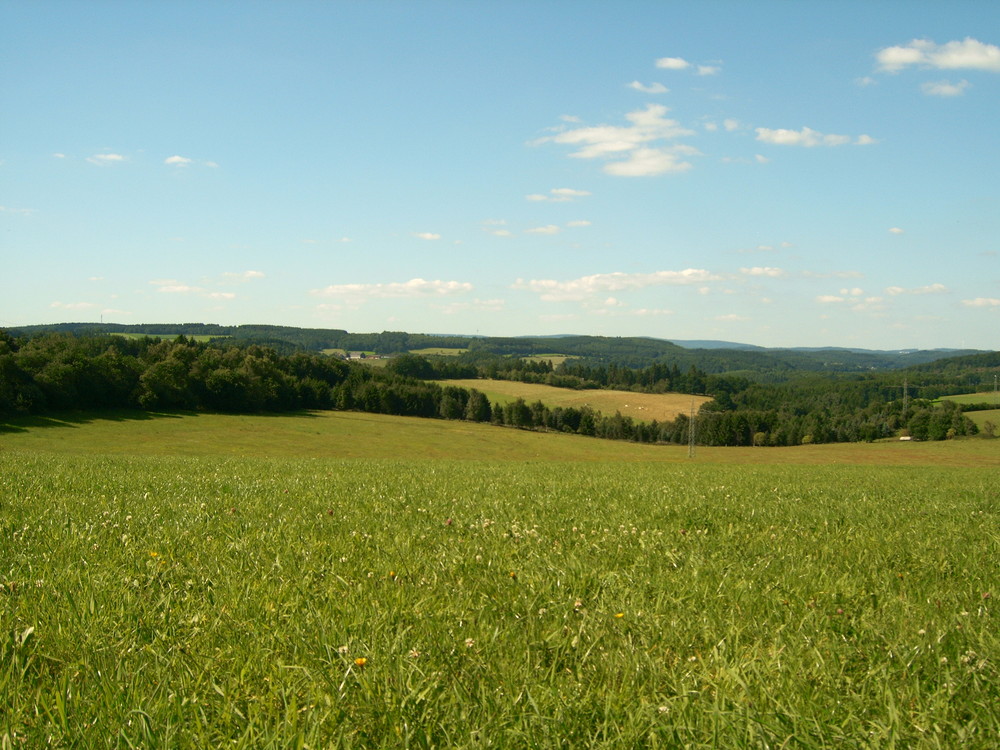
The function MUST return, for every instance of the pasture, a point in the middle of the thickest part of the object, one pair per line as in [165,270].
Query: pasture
[352,580]
[644,407]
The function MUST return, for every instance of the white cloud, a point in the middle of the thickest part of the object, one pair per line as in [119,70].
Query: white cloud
[427,235]
[102,159]
[648,162]
[731,124]
[982,302]
[580,223]
[407,289]
[178,161]
[175,288]
[221,295]
[869,303]
[602,283]
[855,292]
[807,137]
[630,148]
[773,273]
[549,229]
[732,317]
[559,195]
[652,88]
[833,275]
[243,275]
[58,156]
[708,70]
[945,88]
[672,63]
[760,159]
[969,54]
[829,299]
[476,305]
[929,289]
[18,211]
[895,230]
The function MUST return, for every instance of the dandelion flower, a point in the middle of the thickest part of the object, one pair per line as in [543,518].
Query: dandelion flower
[619,615]
[360,661]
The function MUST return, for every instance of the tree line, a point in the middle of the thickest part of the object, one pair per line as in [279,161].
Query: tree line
[56,372]
[59,371]
[809,408]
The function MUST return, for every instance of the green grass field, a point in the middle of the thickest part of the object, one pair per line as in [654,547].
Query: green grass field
[640,406]
[975,398]
[353,580]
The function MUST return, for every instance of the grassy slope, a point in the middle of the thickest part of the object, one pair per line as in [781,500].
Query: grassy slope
[640,406]
[355,435]
[210,581]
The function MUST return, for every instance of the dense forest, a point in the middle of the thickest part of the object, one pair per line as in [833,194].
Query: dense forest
[50,372]
[769,365]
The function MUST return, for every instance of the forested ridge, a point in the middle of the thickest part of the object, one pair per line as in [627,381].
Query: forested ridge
[773,365]
[61,371]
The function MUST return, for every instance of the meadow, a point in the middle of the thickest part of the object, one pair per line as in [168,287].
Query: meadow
[979,417]
[353,580]
[644,407]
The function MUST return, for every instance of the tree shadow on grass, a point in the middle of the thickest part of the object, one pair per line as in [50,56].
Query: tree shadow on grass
[75,420]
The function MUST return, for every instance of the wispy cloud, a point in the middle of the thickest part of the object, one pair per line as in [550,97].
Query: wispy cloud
[672,63]
[548,229]
[242,276]
[407,289]
[944,88]
[929,289]
[427,235]
[982,302]
[642,148]
[766,271]
[808,138]
[476,305]
[969,54]
[18,211]
[73,305]
[105,159]
[178,161]
[652,88]
[582,288]
[558,195]
[170,286]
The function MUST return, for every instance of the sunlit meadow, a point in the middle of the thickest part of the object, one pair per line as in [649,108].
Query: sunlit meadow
[176,602]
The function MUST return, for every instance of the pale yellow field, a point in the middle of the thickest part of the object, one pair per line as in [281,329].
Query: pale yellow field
[640,406]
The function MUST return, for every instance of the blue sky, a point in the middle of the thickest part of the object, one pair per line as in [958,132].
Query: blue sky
[776,173]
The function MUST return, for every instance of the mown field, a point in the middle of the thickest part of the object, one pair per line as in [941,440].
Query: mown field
[351,580]
[640,406]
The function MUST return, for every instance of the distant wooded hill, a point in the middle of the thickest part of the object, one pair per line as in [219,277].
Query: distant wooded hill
[635,352]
